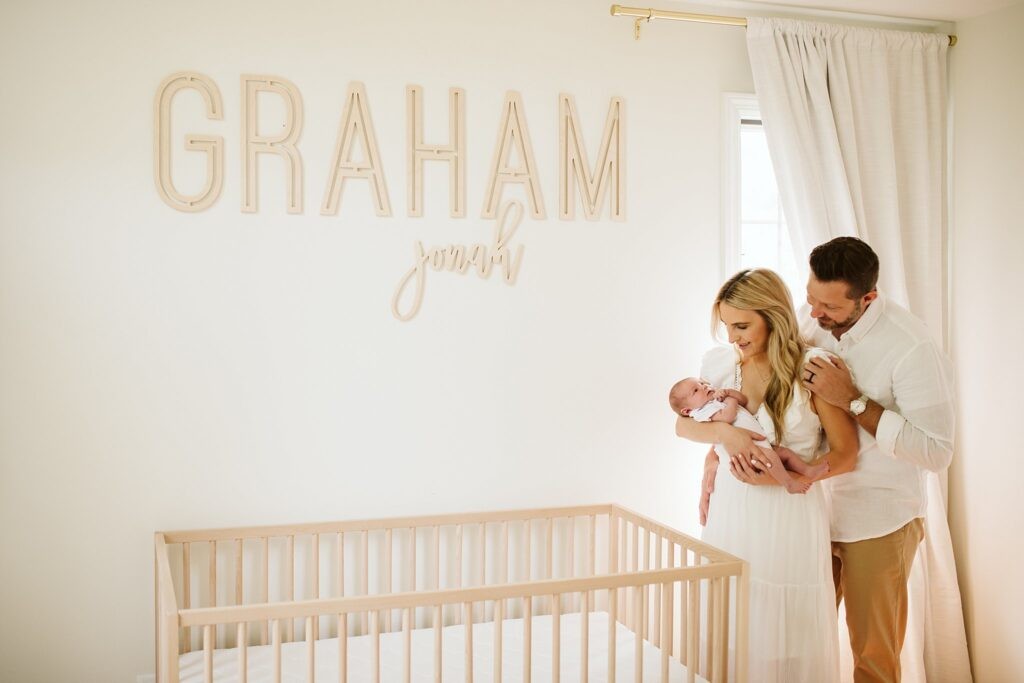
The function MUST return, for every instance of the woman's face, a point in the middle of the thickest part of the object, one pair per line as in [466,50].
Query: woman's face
[747,329]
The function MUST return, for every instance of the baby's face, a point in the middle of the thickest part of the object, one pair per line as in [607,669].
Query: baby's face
[693,393]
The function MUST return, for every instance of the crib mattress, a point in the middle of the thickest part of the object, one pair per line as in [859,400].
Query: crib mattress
[293,655]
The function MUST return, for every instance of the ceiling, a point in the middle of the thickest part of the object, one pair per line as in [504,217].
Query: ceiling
[938,10]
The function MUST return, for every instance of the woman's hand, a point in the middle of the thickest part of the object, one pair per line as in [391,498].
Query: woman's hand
[739,444]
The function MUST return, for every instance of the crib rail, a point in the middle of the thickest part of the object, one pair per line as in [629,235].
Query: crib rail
[670,589]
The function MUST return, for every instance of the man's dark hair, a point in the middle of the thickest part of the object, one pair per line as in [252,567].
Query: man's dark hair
[849,260]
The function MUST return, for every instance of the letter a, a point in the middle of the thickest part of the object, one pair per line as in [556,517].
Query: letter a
[355,121]
[513,132]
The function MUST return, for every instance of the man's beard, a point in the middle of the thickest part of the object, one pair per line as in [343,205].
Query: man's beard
[830,325]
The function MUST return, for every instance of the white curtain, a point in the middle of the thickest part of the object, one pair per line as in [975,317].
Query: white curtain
[856,126]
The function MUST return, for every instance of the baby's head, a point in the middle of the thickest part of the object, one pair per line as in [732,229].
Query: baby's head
[689,394]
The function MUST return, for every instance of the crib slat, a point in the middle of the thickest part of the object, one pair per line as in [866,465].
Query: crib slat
[458,568]
[315,561]
[527,543]
[291,584]
[592,547]
[665,615]
[238,571]
[342,648]
[692,617]
[716,636]
[310,652]
[208,654]
[506,569]
[622,565]
[467,608]
[364,584]
[498,616]
[375,639]
[683,611]
[638,654]
[592,557]
[634,565]
[556,638]
[584,636]
[242,641]
[213,584]
[527,639]
[657,591]
[613,626]
[412,559]
[437,644]
[266,586]
[723,630]
[571,550]
[483,565]
[550,540]
[388,572]
[437,558]
[186,587]
[709,628]
[407,644]
[571,564]
[341,565]
[275,639]
[647,565]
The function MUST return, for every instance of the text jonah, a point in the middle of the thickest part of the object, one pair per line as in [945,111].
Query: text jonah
[594,184]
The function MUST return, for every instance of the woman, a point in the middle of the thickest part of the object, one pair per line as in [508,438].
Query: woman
[784,537]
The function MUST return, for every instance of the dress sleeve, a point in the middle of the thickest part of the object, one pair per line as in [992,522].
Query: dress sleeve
[718,366]
[817,352]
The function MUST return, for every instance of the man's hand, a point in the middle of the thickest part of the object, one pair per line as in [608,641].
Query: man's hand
[708,484]
[830,379]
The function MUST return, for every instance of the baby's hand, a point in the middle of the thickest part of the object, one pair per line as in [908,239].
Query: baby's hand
[721,394]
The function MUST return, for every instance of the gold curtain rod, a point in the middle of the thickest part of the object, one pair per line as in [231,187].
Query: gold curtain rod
[647,14]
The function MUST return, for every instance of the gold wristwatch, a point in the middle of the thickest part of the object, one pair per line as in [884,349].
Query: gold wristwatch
[858,405]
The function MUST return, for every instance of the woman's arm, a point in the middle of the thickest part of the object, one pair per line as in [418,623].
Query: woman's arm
[735,440]
[843,441]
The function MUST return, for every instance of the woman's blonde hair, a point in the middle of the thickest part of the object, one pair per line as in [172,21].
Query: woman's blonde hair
[763,291]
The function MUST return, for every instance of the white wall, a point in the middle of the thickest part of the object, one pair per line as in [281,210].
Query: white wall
[986,479]
[164,370]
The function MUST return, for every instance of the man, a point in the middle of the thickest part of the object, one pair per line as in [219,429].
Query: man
[897,384]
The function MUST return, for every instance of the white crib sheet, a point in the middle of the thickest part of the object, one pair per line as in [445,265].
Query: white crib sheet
[293,655]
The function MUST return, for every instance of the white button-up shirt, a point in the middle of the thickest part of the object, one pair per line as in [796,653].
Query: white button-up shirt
[895,362]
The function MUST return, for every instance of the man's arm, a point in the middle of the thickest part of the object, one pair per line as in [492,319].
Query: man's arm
[921,430]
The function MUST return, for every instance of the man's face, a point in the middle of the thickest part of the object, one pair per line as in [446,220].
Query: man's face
[830,306]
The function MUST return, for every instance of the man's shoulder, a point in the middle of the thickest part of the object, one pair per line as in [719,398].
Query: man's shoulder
[900,328]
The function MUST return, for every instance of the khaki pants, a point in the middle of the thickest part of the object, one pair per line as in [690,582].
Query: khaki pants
[871,576]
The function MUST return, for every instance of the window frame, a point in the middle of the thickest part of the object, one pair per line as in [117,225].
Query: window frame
[736,107]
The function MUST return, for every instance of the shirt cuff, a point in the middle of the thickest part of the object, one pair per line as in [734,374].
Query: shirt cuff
[889,427]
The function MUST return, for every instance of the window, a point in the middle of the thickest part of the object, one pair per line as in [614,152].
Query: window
[755,232]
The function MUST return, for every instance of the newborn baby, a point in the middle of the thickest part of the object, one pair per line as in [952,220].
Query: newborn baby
[697,399]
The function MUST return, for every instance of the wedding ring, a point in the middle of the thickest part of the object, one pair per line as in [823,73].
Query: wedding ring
[810,377]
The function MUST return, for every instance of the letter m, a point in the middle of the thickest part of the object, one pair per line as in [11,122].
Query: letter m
[574,169]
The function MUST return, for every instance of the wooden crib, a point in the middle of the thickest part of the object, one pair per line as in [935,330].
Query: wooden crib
[590,593]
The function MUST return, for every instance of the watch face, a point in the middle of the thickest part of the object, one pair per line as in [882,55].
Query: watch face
[857,406]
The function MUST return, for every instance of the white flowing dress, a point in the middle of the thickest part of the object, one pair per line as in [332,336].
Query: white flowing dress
[785,538]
